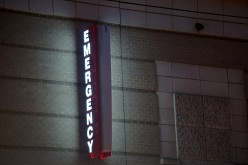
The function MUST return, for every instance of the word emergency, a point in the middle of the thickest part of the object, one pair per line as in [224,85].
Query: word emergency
[88,90]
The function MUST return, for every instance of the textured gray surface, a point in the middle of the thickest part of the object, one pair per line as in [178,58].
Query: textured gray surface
[205,136]
[189,110]
[217,113]
[219,145]
[200,162]
[191,142]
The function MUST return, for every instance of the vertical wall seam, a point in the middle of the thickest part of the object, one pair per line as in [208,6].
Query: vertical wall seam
[146,15]
[172,15]
[98,8]
[53,6]
[223,22]
[175,117]
[122,84]
[197,16]
[199,69]
[28,6]
[76,10]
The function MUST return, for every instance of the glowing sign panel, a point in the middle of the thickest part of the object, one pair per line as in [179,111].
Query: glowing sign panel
[88,90]
[97,91]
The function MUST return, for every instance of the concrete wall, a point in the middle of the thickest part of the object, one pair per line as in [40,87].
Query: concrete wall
[228,18]
[41,119]
[203,117]
[39,92]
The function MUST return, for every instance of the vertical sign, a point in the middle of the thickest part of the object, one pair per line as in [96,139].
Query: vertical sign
[97,77]
[91,90]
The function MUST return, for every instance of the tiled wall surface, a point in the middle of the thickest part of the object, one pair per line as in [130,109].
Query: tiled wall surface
[219,17]
[201,81]
[40,96]
[39,87]
[203,125]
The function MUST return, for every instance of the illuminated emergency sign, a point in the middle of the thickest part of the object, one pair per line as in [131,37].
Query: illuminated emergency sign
[88,90]
[97,79]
